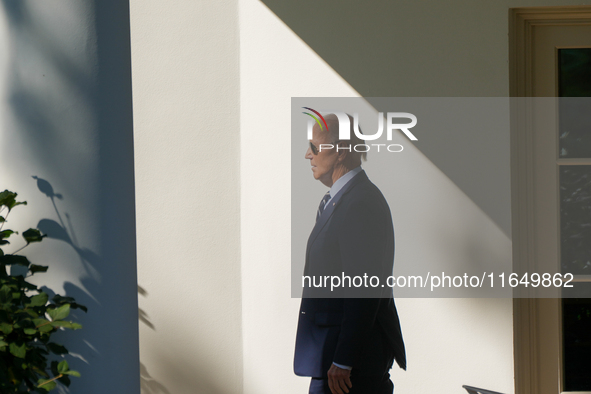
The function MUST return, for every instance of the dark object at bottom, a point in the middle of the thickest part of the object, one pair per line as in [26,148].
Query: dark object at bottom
[476,390]
[364,385]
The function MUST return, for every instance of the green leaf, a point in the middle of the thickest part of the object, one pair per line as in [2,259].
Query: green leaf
[37,268]
[72,373]
[43,325]
[46,384]
[39,322]
[14,259]
[6,196]
[2,343]
[30,331]
[63,366]
[27,285]
[8,199]
[6,233]
[5,294]
[57,349]
[18,351]
[66,324]
[32,313]
[6,328]
[33,235]
[59,300]
[39,300]
[59,313]
[2,219]
[44,329]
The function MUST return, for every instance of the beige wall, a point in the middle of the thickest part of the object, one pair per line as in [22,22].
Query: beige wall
[186,122]
[290,49]
[444,338]
[214,260]
[212,83]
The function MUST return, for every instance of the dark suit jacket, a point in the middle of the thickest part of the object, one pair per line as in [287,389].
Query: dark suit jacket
[354,235]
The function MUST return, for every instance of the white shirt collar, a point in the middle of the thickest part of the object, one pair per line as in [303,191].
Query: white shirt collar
[342,181]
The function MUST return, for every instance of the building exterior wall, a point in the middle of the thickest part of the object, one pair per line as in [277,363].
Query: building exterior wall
[209,192]
[66,119]
[187,140]
[441,335]
[451,49]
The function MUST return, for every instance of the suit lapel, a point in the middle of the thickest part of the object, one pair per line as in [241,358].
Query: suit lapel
[333,204]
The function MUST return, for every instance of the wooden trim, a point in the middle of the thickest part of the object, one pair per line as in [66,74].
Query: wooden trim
[527,339]
[524,351]
[521,23]
[574,162]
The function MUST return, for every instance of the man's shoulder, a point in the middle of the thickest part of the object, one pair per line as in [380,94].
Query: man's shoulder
[364,190]
[367,200]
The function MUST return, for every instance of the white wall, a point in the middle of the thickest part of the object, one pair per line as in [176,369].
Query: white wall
[443,337]
[450,342]
[212,88]
[211,96]
[65,117]
[274,66]
[186,130]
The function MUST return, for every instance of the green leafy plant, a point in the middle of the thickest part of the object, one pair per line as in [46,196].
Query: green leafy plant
[28,319]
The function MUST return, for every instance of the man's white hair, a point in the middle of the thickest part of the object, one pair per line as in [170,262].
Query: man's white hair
[332,122]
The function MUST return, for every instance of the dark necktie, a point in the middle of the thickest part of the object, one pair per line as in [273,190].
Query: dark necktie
[322,205]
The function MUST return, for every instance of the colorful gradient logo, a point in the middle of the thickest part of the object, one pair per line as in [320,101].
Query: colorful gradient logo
[315,118]
[387,125]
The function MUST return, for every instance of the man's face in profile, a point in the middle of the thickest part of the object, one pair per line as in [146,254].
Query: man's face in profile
[322,162]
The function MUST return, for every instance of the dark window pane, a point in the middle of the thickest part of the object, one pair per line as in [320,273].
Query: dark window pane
[574,72]
[575,219]
[574,80]
[576,325]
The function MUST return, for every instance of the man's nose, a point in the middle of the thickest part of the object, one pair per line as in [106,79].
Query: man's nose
[308,153]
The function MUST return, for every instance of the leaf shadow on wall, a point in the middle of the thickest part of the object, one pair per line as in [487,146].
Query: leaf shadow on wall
[76,341]
[190,373]
[148,384]
[68,114]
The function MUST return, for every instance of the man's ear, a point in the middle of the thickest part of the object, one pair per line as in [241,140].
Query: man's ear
[342,152]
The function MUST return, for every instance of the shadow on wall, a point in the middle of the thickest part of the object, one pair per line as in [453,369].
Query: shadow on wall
[70,119]
[77,341]
[413,49]
[405,49]
[143,316]
[65,231]
[189,374]
[148,384]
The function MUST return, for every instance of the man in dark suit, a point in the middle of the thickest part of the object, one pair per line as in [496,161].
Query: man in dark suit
[347,341]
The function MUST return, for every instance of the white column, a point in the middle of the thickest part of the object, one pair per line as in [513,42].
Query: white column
[187,140]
